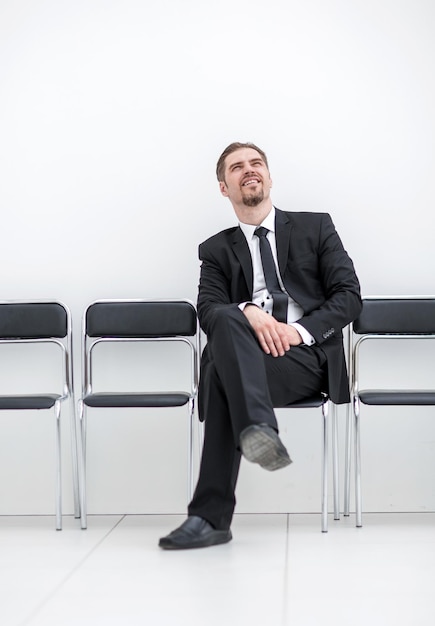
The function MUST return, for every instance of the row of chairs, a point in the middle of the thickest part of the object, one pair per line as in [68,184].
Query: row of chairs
[123,321]
[49,322]
[157,321]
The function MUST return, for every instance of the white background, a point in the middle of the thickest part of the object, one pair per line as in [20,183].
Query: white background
[112,116]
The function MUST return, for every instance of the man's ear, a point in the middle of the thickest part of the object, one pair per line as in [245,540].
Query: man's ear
[223,188]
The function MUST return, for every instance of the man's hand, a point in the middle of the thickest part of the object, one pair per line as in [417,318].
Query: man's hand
[274,337]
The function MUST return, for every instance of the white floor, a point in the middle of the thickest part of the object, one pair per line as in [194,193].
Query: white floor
[278,570]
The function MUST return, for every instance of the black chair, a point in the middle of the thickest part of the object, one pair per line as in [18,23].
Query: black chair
[322,401]
[43,322]
[392,318]
[131,321]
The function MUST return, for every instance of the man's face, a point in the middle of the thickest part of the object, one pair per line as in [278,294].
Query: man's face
[247,179]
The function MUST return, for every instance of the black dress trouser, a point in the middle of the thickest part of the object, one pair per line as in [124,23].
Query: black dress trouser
[239,386]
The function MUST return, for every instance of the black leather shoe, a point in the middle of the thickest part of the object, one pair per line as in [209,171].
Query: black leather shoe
[260,444]
[195,532]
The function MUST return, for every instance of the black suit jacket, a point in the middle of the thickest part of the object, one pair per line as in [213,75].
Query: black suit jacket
[315,269]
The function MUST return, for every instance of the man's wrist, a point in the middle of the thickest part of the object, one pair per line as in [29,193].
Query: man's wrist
[307,338]
[243,305]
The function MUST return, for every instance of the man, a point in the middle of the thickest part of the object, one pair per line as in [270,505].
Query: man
[273,302]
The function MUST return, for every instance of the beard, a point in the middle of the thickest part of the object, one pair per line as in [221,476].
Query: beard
[253,200]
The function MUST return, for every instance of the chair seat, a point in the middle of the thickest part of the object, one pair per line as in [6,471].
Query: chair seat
[397,397]
[37,401]
[126,399]
[308,403]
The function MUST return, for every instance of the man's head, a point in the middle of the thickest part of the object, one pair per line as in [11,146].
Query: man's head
[237,145]
[243,174]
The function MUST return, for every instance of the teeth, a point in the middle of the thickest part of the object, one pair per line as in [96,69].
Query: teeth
[250,182]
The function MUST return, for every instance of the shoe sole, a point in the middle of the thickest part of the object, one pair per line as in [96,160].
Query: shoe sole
[216,538]
[265,448]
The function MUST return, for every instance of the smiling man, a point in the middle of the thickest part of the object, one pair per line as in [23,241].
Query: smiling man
[275,293]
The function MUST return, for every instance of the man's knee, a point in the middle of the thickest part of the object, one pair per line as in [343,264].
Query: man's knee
[226,319]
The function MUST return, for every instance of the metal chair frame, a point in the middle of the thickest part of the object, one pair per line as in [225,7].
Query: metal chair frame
[383,397]
[328,408]
[132,399]
[49,400]
[348,440]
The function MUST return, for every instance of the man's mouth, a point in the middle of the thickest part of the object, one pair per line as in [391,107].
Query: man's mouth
[250,181]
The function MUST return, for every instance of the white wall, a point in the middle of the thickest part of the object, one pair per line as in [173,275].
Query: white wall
[113,114]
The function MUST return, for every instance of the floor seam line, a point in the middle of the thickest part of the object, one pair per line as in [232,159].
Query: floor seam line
[49,596]
[284,611]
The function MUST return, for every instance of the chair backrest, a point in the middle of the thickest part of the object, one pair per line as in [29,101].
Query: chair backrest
[39,322]
[396,316]
[33,320]
[141,318]
[148,321]
[391,318]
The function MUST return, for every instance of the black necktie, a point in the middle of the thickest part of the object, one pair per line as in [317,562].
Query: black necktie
[280,299]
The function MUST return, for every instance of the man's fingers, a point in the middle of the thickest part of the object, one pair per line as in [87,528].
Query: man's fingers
[272,335]
[263,343]
[273,343]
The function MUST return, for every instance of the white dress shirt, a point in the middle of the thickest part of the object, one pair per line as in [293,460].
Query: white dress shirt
[260,296]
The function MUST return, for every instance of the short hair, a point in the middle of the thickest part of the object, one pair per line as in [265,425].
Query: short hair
[237,145]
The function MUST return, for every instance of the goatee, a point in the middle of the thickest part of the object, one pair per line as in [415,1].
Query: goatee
[253,200]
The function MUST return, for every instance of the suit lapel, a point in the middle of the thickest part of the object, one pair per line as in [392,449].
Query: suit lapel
[241,250]
[283,228]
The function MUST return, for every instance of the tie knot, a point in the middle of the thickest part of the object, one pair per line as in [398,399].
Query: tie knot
[261,231]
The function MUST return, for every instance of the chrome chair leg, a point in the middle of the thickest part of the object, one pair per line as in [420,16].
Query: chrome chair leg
[190,450]
[335,463]
[74,454]
[325,412]
[357,452]
[81,448]
[347,461]
[348,444]
[58,468]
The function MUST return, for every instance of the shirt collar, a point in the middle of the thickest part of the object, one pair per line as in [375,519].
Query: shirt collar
[268,222]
